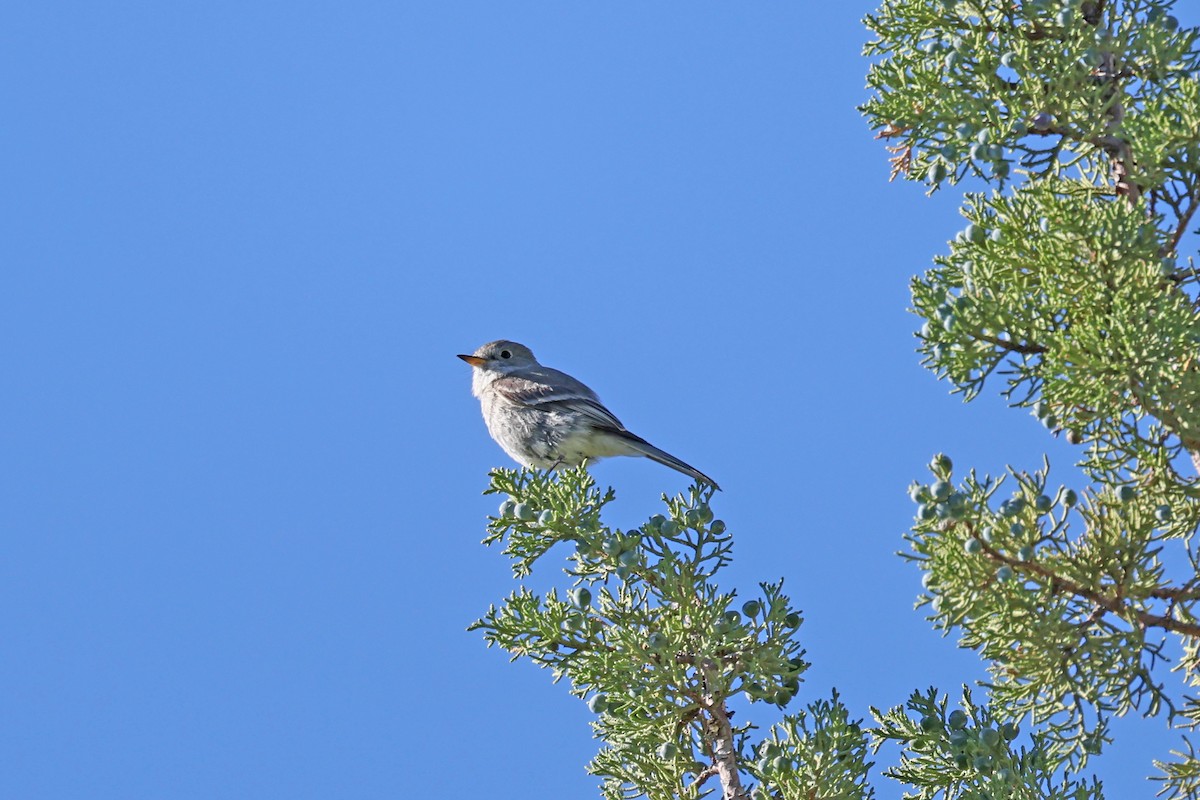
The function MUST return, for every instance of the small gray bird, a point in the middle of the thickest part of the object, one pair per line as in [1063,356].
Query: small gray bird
[544,418]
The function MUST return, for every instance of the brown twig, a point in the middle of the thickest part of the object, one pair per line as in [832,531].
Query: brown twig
[703,777]
[1016,347]
[720,735]
[1101,601]
[1184,219]
[1175,593]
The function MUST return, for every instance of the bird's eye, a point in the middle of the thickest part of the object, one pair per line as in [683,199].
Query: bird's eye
[505,354]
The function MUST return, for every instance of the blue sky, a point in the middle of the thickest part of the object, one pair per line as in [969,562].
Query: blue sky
[241,471]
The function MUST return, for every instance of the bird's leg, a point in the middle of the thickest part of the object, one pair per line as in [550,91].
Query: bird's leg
[562,462]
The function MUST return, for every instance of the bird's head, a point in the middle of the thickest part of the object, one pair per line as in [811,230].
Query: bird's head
[501,356]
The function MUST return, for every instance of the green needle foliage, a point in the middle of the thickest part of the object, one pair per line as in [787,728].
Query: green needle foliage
[969,753]
[1066,291]
[658,650]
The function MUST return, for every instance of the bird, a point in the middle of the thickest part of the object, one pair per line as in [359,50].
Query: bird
[546,419]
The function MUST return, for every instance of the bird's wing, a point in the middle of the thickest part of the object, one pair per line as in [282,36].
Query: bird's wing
[550,389]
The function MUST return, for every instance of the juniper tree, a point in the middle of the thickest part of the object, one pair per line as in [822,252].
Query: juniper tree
[656,647]
[1081,121]
[1066,291]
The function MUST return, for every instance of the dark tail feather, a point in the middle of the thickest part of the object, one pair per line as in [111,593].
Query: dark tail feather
[666,459]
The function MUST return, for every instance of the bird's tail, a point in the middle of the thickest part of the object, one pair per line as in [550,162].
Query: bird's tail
[648,450]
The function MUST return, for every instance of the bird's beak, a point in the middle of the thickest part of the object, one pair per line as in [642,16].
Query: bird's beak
[474,361]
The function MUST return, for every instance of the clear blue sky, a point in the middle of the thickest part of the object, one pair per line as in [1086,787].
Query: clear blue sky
[241,467]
